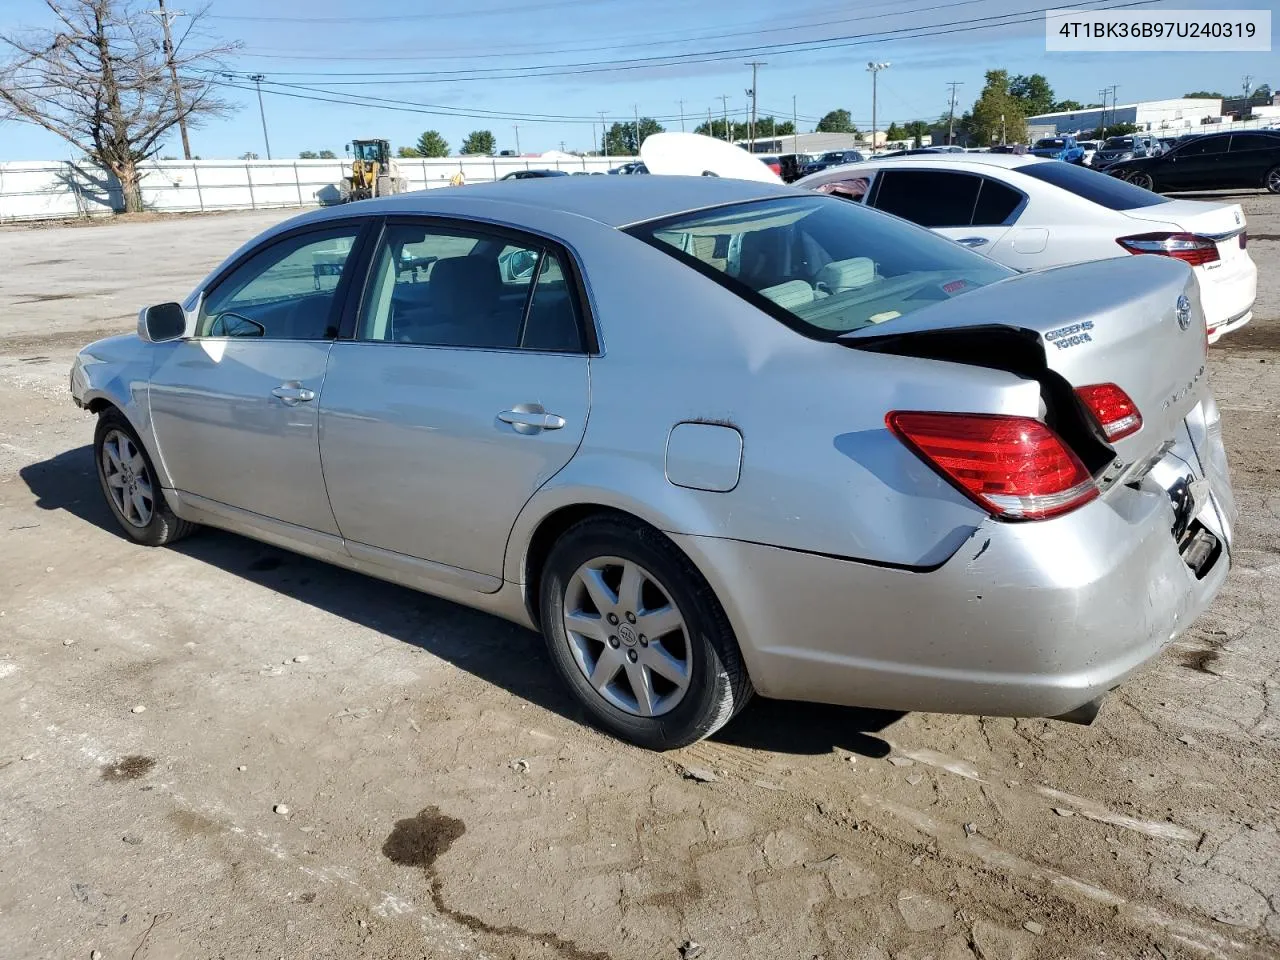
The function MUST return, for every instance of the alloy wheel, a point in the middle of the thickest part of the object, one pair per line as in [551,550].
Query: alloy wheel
[1142,180]
[627,636]
[1273,180]
[127,478]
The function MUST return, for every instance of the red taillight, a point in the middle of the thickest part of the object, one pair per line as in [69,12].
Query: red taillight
[1016,467]
[1111,407]
[1186,247]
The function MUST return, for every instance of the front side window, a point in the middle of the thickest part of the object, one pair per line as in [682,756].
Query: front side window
[284,292]
[1203,146]
[931,198]
[449,286]
[822,266]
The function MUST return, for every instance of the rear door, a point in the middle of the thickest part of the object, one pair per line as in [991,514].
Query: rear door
[1249,158]
[948,202]
[463,389]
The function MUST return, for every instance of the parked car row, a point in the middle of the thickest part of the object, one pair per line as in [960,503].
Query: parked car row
[1030,214]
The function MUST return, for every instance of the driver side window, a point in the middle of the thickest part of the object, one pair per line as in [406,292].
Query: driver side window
[284,292]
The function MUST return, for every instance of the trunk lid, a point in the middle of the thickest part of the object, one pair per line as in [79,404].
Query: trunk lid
[1122,321]
[1221,222]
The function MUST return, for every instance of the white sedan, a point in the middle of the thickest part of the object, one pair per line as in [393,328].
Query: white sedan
[1029,213]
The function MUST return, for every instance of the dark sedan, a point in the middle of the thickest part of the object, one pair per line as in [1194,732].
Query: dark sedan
[1215,161]
[833,158]
[534,174]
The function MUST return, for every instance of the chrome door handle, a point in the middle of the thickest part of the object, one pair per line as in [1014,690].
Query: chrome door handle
[292,394]
[531,421]
[972,242]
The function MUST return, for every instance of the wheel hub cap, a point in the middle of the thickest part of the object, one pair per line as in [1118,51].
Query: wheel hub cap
[627,636]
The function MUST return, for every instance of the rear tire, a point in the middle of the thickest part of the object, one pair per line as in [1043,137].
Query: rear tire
[698,681]
[1143,180]
[130,484]
[1273,179]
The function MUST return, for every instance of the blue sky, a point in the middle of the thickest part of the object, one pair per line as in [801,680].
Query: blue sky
[311,42]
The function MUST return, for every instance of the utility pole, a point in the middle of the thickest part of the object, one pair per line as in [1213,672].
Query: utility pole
[681,102]
[755,65]
[257,78]
[795,127]
[874,69]
[516,127]
[636,107]
[724,99]
[1248,83]
[562,146]
[951,114]
[166,17]
[711,130]
[604,137]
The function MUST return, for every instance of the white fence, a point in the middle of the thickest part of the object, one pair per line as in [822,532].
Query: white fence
[46,190]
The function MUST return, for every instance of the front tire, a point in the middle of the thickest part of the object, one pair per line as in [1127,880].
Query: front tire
[638,635]
[1273,179]
[130,484]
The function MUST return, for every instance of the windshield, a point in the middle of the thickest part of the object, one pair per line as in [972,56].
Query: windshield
[1048,144]
[1118,143]
[821,265]
[832,156]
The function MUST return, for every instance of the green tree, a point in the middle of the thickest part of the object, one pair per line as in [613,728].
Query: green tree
[1114,130]
[997,114]
[894,133]
[408,153]
[837,121]
[328,155]
[308,155]
[916,130]
[432,144]
[1202,95]
[1033,93]
[479,142]
[620,139]
[1067,106]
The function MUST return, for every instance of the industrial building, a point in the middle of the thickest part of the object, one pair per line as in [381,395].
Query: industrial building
[1165,117]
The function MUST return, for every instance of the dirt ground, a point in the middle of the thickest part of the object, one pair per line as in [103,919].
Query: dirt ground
[443,798]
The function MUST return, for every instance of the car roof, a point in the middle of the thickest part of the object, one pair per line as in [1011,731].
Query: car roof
[945,161]
[613,201]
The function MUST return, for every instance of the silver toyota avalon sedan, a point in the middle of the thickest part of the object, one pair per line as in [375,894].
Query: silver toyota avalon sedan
[710,437]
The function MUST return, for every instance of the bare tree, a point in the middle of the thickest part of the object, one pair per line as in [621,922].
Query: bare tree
[104,82]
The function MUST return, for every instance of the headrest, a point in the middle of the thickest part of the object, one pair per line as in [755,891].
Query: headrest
[462,285]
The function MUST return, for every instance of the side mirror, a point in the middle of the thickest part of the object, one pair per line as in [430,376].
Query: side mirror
[519,264]
[164,321]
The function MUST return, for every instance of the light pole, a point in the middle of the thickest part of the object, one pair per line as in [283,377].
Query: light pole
[604,137]
[755,65]
[681,102]
[874,69]
[724,101]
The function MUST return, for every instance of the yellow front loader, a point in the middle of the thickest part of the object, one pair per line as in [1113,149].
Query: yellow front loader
[374,172]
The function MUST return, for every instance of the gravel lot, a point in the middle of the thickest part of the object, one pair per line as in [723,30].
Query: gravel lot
[443,799]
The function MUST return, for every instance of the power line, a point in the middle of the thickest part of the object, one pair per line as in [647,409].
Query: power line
[713,56]
[664,39]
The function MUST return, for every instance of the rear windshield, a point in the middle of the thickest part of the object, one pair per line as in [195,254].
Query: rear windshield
[821,265]
[1118,143]
[833,156]
[1045,144]
[1106,191]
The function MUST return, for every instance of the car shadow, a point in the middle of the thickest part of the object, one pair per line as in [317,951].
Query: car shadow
[485,646]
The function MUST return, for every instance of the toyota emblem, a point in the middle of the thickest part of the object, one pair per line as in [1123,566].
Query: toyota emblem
[1184,312]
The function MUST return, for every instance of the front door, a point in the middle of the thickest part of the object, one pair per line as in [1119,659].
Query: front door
[1199,163]
[464,390]
[234,406]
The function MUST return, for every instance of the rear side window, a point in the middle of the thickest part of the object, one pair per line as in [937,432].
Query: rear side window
[996,204]
[1106,191]
[931,198]
[1253,141]
[822,266]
